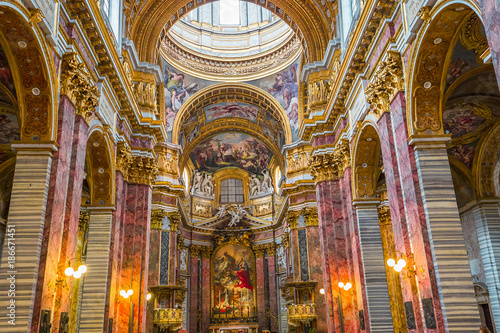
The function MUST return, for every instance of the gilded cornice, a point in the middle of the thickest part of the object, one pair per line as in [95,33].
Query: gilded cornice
[157,217]
[78,86]
[311,216]
[387,81]
[374,12]
[143,170]
[109,65]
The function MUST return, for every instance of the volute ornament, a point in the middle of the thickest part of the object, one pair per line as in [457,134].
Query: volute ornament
[78,86]
[387,81]
[143,170]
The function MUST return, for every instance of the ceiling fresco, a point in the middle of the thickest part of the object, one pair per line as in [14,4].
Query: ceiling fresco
[231,149]
[180,86]
[231,109]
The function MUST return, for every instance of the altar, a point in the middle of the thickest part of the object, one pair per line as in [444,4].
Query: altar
[234,328]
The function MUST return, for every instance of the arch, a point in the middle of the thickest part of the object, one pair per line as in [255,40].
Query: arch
[33,71]
[485,162]
[241,92]
[100,168]
[431,59]
[231,173]
[304,17]
[366,157]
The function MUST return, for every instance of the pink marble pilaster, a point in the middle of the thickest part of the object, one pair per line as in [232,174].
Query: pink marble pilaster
[261,295]
[54,217]
[205,293]
[172,260]
[193,296]
[273,292]
[146,227]
[153,272]
[71,216]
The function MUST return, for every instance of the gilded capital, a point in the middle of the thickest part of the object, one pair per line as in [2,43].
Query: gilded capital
[323,167]
[387,81]
[83,220]
[157,217]
[77,85]
[175,219]
[180,242]
[384,215]
[143,170]
[124,159]
[311,216]
[259,250]
[271,249]
[292,217]
[285,240]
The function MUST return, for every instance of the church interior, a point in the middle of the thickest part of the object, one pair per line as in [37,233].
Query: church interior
[248,166]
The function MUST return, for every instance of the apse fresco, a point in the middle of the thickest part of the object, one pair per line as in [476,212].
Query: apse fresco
[284,87]
[233,282]
[178,88]
[464,153]
[231,109]
[231,150]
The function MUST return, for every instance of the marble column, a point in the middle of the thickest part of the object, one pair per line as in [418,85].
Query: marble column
[273,292]
[25,231]
[172,243]
[447,245]
[205,290]
[487,220]
[316,267]
[56,205]
[490,10]
[71,217]
[261,295]
[325,225]
[193,291]
[96,287]
[144,225]
[373,267]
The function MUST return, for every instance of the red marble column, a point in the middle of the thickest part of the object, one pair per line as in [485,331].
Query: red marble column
[127,259]
[71,215]
[325,218]
[193,292]
[261,295]
[409,287]
[145,249]
[295,255]
[205,291]
[415,214]
[273,292]
[490,10]
[54,216]
[117,252]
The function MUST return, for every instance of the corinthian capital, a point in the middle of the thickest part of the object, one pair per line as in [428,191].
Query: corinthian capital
[124,159]
[143,170]
[387,81]
[77,85]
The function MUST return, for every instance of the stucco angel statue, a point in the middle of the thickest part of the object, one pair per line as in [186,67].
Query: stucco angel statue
[221,212]
[237,213]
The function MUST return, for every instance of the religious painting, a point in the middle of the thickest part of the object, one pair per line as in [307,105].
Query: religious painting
[233,279]
[464,153]
[6,74]
[231,109]
[179,87]
[462,119]
[284,87]
[9,128]
[231,150]
[462,61]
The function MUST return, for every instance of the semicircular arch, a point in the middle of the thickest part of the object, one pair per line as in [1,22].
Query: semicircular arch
[100,167]
[242,92]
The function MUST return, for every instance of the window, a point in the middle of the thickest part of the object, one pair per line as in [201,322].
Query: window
[231,191]
[230,12]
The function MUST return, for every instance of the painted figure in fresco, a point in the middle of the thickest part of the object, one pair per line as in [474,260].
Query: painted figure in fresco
[176,87]
[242,271]
[9,129]
[231,109]
[286,85]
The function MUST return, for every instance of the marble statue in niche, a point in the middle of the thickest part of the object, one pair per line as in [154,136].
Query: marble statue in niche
[183,259]
[258,187]
[280,252]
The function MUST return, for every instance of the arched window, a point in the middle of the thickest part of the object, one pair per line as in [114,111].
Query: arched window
[231,191]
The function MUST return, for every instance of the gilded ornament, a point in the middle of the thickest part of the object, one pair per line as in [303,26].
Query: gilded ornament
[143,170]
[387,81]
[175,220]
[124,158]
[83,220]
[424,13]
[36,16]
[472,37]
[311,216]
[157,217]
[384,215]
[292,218]
[77,85]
